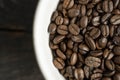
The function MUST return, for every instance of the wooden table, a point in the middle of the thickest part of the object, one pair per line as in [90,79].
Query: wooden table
[17,57]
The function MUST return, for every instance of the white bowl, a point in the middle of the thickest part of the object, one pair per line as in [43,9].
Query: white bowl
[41,39]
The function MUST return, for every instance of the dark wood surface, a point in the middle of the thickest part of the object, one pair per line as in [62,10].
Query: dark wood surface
[17,57]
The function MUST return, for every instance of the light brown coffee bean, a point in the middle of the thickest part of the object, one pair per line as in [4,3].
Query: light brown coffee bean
[74,29]
[67,4]
[116,40]
[77,38]
[105,30]
[58,39]
[62,30]
[102,42]
[116,76]
[52,28]
[73,12]
[83,1]
[53,46]
[116,3]
[68,53]
[83,10]
[92,61]
[115,19]
[106,78]
[96,76]
[79,74]
[116,50]
[59,20]
[106,53]
[117,60]
[70,44]
[83,21]
[95,33]
[110,64]
[105,17]
[90,42]
[96,53]
[59,63]
[110,56]
[60,54]
[84,47]
[96,20]
[63,46]
[73,59]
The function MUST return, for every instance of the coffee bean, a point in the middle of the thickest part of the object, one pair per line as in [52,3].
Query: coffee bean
[110,56]
[73,12]
[106,78]
[95,1]
[95,20]
[77,38]
[116,76]
[116,50]
[89,12]
[60,54]
[70,71]
[55,14]
[80,58]
[97,71]
[117,60]
[112,30]
[118,30]
[59,63]
[90,42]
[73,59]
[84,22]
[116,12]
[70,44]
[74,29]
[102,42]
[75,48]
[52,28]
[96,76]
[115,19]
[105,17]
[92,61]
[68,53]
[58,39]
[63,46]
[53,46]
[109,73]
[73,20]
[117,67]
[99,8]
[116,3]
[110,64]
[105,30]
[96,53]
[68,4]
[65,21]
[62,29]
[79,74]
[95,33]
[87,71]
[106,53]
[59,20]
[83,1]
[83,10]
[84,47]
[116,40]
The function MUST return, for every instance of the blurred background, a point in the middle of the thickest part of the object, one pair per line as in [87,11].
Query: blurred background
[17,57]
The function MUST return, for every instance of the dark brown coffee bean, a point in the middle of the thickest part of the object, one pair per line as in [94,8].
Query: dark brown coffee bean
[118,30]
[102,64]
[52,28]
[58,39]
[83,10]
[107,6]
[102,42]
[63,46]
[75,48]
[105,17]
[53,46]
[117,60]
[117,67]
[73,59]
[67,4]
[116,3]
[73,12]
[95,20]
[95,1]
[55,14]
[116,40]
[89,12]
[90,6]
[95,13]
[116,11]
[90,42]
[77,38]
[106,53]
[110,56]
[99,8]
[95,33]
[73,20]
[97,70]
[83,21]
[74,29]
[65,21]
[70,44]
[84,47]
[68,53]
[60,54]
[106,78]
[110,65]
[59,20]
[112,30]
[87,71]
[117,50]
[96,76]
[62,29]
[79,74]
[109,73]
[70,71]
[80,58]
[59,63]
[115,19]
[116,76]
[92,61]
[83,1]
[96,53]
[105,30]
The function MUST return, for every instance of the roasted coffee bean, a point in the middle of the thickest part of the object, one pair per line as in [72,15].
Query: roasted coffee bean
[59,20]
[117,50]
[116,76]
[102,42]
[115,19]
[105,30]
[70,44]
[106,78]
[84,22]
[60,54]
[84,47]
[116,3]
[95,20]
[63,46]
[96,76]
[83,1]
[106,53]
[55,14]
[77,38]
[80,58]
[75,48]
[105,17]
[107,6]
[73,59]
[58,39]
[83,10]
[96,53]
[70,71]
[65,21]
[112,30]
[68,4]
[73,12]
[79,74]
[68,53]
[53,46]
[92,61]
[74,29]
[99,8]
[97,71]
[59,63]
[95,1]
[109,73]
[117,67]
[103,64]
[95,33]
[110,56]
[62,29]
[118,30]
[116,12]
[87,71]
[117,60]
[73,20]
[110,64]
[116,40]
[52,28]
[90,42]
[89,12]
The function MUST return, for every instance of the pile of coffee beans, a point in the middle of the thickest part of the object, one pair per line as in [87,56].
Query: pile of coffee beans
[85,39]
